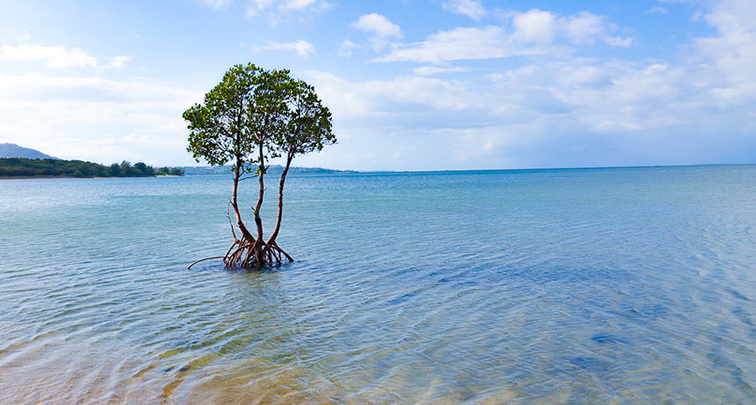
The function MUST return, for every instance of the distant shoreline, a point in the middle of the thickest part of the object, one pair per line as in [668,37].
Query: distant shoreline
[275,170]
[54,168]
[272,170]
[76,178]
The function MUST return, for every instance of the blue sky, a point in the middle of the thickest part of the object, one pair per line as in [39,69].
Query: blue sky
[412,84]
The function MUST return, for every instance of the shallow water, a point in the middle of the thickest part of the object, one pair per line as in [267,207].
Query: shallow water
[601,286]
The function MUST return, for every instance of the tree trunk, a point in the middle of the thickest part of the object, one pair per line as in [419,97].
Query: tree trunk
[271,244]
[249,251]
[239,252]
[258,246]
[237,176]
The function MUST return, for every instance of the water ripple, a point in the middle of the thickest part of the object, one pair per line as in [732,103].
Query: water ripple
[623,286]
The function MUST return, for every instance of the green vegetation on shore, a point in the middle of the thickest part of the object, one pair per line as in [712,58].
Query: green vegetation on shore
[22,167]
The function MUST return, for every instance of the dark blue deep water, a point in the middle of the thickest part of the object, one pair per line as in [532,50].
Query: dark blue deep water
[592,286]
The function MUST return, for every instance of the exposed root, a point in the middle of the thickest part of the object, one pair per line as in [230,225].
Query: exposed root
[250,253]
[202,260]
[275,251]
[254,254]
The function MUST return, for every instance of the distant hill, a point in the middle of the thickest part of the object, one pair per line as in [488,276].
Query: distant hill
[272,170]
[11,150]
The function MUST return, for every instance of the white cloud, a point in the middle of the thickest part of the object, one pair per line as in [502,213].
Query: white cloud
[584,27]
[381,98]
[458,44]
[471,8]
[118,61]
[76,117]
[731,55]
[381,28]
[579,74]
[434,70]
[535,26]
[299,4]
[256,7]
[544,27]
[559,111]
[636,99]
[442,124]
[54,57]
[57,57]
[302,48]
[548,109]
[377,24]
[533,32]
[217,4]
[619,42]
[658,10]
[346,48]
[23,37]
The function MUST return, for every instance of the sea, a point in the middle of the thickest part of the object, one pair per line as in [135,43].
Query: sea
[574,286]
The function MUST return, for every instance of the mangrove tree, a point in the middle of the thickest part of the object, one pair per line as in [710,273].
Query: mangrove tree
[251,117]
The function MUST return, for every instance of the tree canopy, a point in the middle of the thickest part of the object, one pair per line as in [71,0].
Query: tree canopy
[252,116]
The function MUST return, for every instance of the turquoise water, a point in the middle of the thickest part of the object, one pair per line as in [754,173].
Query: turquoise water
[596,286]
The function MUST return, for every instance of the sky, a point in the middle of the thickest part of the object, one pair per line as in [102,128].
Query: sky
[412,84]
